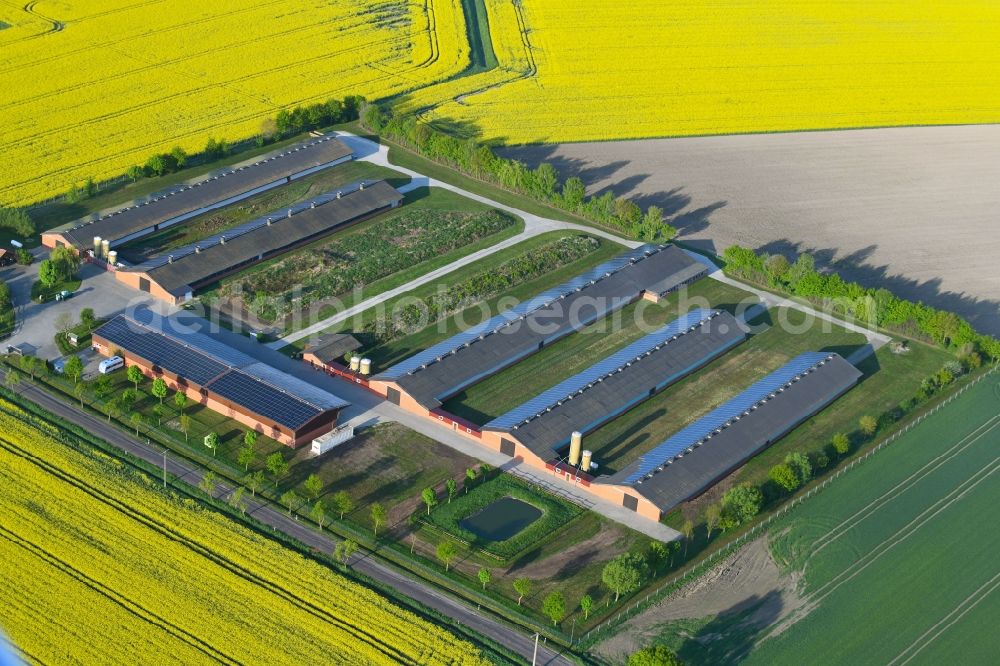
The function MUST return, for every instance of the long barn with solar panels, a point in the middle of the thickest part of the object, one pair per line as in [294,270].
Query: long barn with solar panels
[541,427]
[224,379]
[693,459]
[422,382]
[187,201]
[175,278]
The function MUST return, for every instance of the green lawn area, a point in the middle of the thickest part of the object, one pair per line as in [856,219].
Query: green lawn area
[41,292]
[575,353]
[627,437]
[396,350]
[241,212]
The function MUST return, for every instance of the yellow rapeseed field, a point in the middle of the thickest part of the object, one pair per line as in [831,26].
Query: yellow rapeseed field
[90,88]
[608,70]
[98,566]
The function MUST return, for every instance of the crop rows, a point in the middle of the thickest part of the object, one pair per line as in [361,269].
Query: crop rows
[106,569]
[648,68]
[123,81]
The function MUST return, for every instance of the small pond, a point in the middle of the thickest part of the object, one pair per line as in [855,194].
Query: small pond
[502,519]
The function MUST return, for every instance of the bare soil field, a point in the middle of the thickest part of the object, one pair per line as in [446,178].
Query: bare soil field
[916,209]
[746,581]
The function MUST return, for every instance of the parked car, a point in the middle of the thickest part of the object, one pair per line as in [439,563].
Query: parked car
[63,295]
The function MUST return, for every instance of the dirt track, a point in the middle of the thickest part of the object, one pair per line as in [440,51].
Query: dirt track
[913,209]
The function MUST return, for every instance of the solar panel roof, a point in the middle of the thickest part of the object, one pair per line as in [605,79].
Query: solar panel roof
[734,430]
[212,189]
[161,351]
[615,384]
[471,355]
[238,377]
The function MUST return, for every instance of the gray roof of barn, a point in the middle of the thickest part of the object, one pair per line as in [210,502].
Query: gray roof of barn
[191,197]
[800,389]
[614,384]
[451,365]
[192,268]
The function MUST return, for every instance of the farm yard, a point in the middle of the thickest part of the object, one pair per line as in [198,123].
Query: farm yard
[722,68]
[155,578]
[94,88]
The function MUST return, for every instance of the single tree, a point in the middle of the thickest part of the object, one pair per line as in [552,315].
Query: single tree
[452,489]
[212,442]
[289,500]
[841,443]
[180,401]
[134,374]
[554,605]
[136,419]
[712,514]
[344,549]
[659,552]
[378,517]
[246,458]
[342,503]
[64,323]
[429,497]
[185,423]
[238,501]
[586,603]
[799,463]
[447,552]
[688,530]
[523,588]
[470,478]
[867,424]
[742,502]
[318,513]
[73,368]
[158,413]
[159,389]
[13,378]
[134,172]
[179,156]
[112,408]
[250,439]
[48,273]
[624,574]
[657,655]
[207,483]
[127,398]
[30,365]
[277,466]
[87,318]
[254,482]
[484,576]
[784,477]
[313,486]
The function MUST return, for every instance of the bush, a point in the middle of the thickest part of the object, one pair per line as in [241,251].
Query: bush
[784,477]
[18,221]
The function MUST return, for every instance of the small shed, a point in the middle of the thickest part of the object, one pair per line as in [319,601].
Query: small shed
[330,347]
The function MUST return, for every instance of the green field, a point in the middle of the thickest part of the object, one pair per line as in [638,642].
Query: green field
[898,557]
[575,353]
